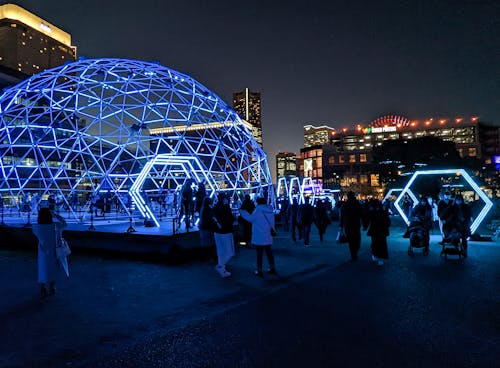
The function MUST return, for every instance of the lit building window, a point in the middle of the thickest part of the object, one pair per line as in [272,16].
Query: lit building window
[352,158]
[374,180]
[362,157]
[341,159]
[331,159]
[472,152]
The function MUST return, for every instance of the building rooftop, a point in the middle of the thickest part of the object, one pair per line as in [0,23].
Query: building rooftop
[15,12]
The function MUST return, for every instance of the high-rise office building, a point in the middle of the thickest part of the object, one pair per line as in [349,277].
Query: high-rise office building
[29,45]
[286,164]
[247,105]
[314,135]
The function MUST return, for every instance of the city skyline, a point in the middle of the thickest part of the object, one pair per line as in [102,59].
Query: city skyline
[322,63]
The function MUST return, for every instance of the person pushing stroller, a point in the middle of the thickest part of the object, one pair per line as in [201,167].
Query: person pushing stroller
[420,226]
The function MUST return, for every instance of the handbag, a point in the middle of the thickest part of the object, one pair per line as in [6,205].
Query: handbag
[341,237]
[62,249]
[273,232]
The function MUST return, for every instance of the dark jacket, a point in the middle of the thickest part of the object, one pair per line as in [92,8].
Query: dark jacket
[305,215]
[206,219]
[320,215]
[378,221]
[223,219]
[422,213]
[351,215]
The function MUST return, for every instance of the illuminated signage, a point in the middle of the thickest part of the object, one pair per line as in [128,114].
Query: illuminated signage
[45,27]
[383,129]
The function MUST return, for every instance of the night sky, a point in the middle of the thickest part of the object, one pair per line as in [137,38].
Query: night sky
[315,62]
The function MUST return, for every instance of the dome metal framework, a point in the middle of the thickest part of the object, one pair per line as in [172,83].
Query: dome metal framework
[103,125]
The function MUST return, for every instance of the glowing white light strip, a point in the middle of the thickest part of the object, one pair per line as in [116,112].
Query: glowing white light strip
[389,193]
[480,217]
[290,190]
[309,185]
[282,183]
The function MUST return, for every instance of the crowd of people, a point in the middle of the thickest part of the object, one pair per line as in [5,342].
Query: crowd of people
[256,217]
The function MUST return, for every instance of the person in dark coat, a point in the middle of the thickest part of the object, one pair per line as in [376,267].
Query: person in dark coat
[321,218]
[206,224]
[201,193]
[378,223]
[443,213]
[223,233]
[249,206]
[305,218]
[422,213]
[351,216]
[284,204]
[292,213]
[458,217]
[187,202]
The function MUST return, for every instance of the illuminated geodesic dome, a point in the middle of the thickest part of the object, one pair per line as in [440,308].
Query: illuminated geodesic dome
[118,125]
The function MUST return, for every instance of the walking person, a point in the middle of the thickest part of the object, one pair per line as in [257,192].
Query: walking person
[187,203]
[223,233]
[48,233]
[305,218]
[321,218]
[201,193]
[284,204]
[292,212]
[351,215]
[443,213]
[458,216]
[378,223]
[262,220]
[422,213]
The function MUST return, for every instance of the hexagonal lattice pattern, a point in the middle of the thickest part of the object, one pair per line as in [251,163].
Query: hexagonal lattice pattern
[477,220]
[92,125]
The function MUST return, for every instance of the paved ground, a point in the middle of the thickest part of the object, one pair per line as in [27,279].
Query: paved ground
[125,313]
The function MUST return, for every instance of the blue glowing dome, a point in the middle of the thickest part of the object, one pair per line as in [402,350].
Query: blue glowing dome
[121,126]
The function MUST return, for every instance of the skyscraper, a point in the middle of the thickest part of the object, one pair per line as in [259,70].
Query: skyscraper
[247,105]
[286,164]
[29,45]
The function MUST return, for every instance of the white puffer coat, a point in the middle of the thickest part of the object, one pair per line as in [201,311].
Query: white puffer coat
[262,219]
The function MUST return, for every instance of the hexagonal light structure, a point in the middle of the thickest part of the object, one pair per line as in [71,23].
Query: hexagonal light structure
[479,218]
[191,166]
[95,125]
[414,200]
[389,193]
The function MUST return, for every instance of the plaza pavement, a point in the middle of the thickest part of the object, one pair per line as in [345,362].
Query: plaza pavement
[110,303]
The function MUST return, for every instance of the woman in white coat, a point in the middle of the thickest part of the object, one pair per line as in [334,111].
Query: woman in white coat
[48,233]
[262,219]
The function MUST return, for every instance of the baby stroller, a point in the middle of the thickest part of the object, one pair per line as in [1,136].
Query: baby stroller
[452,244]
[419,237]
